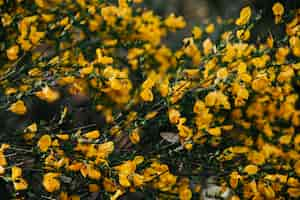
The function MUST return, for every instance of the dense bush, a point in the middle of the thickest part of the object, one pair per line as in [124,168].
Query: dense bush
[93,103]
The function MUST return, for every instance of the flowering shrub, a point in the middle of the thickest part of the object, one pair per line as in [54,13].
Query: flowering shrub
[227,107]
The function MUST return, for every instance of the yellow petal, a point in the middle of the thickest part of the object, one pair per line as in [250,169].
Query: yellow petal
[48,94]
[50,182]
[20,184]
[92,134]
[44,143]
[251,169]
[16,172]
[18,107]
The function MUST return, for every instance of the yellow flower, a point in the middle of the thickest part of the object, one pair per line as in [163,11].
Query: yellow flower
[20,184]
[137,1]
[134,136]
[63,136]
[214,131]
[251,169]
[285,139]
[2,170]
[87,70]
[260,84]
[207,46]
[48,94]
[18,107]
[146,95]
[166,181]
[105,149]
[74,197]
[184,131]
[32,128]
[6,19]
[35,36]
[293,182]
[211,99]
[234,179]
[138,180]
[138,160]
[185,193]
[116,195]
[199,107]
[294,192]
[297,167]
[174,115]
[44,143]
[3,161]
[297,142]
[188,146]
[269,192]
[256,158]
[222,73]
[197,32]
[109,185]
[210,28]
[10,91]
[123,180]
[235,197]
[243,34]
[278,9]
[50,182]
[174,22]
[12,52]
[16,172]
[47,17]
[92,134]
[93,173]
[151,115]
[245,15]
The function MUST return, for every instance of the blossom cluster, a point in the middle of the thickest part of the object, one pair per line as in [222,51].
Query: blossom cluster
[227,106]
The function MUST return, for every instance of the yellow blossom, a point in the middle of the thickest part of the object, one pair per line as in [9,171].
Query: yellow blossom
[245,15]
[197,32]
[251,169]
[93,173]
[175,22]
[243,34]
[109,185]
[234,179]
[134,136]
[44,143]
[18,107]
[20,184]
[214,131]
[92,134]
[35,36]
[63,136]
[3,161]
[146,95]
[278,11]
[48,94]
[294,192]
[12,52]
[185,193]
[16,172]
[297,167]
[210,28]
[50,182]
[174,115]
